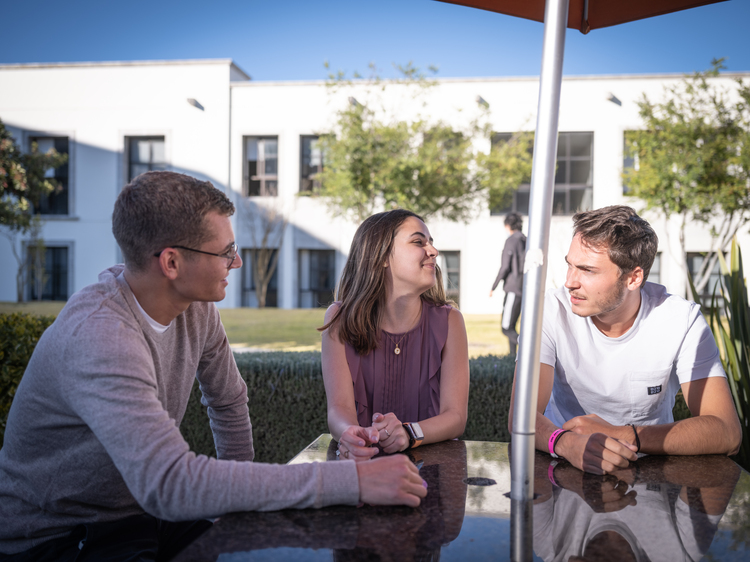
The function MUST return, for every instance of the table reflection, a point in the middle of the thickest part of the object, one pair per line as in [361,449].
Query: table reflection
[660,507]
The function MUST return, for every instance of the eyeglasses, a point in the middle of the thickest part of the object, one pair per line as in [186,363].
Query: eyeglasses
[229,255]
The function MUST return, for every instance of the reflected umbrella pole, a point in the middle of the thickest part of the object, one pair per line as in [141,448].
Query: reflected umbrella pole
[535,274]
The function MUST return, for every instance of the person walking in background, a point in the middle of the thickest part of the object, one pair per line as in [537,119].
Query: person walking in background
[511,274]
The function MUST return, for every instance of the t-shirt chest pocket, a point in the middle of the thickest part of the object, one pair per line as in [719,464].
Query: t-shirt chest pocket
[648,390]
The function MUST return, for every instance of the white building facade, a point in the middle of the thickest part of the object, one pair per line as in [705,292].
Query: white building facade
[256,142]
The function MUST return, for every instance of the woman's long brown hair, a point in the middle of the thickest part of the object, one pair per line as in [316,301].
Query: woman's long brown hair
[361,290]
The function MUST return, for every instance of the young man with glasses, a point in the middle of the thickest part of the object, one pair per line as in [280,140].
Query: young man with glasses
[93,462]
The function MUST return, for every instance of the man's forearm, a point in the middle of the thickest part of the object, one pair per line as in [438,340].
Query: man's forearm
[701,435]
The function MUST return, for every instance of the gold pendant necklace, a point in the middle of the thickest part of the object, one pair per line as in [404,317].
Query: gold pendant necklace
[397,349]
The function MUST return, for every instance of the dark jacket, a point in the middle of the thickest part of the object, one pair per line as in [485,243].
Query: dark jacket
[511,267]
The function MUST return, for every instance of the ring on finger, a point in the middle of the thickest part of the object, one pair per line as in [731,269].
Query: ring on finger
[386,431]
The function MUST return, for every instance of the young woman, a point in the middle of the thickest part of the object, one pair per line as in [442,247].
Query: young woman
[395,353]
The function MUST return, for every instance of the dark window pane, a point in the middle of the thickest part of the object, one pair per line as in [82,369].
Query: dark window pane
[522,202]
[272,188]
[558,203]
[581,199]
[253,187]
[138,169]
[580,172]
[562,145]
[55,203]
[580,144]
[451,260]
[561,174]
[53,275]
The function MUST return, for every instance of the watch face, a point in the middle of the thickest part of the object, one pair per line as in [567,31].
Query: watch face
[418,434]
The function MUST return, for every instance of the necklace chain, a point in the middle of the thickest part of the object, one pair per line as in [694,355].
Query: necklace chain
[397,349]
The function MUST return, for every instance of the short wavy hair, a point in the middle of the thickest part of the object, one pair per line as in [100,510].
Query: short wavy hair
[161,209]
[629,240]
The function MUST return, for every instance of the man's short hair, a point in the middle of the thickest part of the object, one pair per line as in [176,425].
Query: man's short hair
[514,221]
[629,240]
[161,209]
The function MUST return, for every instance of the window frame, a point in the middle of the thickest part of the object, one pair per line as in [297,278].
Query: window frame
[314,183]
[264,191]
[565,187]
[452,293]
[315,291]
[69,246]
[128,154]
[35,136]
[247,281]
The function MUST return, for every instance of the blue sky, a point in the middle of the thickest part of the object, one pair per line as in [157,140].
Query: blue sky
[290,40]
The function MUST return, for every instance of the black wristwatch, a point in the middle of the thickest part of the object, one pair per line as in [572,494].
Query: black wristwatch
[415,434]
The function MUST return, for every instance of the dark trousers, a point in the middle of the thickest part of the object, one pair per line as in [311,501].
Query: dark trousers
[139,538]
[511,312]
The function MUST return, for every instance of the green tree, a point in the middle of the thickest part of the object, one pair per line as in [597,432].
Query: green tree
[692,160]
[22,186]
[373,161]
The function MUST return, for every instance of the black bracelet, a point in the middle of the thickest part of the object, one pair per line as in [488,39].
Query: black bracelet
[637,439]
[554,444]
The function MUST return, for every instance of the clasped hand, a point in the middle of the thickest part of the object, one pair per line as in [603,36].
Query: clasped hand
[593,445]
[360,443]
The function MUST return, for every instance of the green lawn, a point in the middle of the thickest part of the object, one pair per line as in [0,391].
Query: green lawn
[295,330]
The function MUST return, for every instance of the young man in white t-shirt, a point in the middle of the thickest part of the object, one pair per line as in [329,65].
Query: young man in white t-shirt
[615,350]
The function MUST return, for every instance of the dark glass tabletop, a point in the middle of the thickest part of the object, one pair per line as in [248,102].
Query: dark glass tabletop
[661,508]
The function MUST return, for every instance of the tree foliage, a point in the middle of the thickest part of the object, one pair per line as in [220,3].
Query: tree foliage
[692,159]
[22,181]
[374,161]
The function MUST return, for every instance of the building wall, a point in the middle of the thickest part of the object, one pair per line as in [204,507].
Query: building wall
[98,105]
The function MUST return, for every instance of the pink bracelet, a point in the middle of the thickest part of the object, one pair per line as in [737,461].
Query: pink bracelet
[553,441]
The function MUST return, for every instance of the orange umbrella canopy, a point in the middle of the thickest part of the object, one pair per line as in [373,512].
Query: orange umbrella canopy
[586,15]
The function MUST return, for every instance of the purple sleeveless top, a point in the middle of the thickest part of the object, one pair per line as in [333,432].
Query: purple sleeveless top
[407,384]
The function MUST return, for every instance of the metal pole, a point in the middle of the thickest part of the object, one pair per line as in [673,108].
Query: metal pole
[540,212]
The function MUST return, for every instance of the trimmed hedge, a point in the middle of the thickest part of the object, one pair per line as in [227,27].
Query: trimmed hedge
[19,334]
[287,399]
[287,403]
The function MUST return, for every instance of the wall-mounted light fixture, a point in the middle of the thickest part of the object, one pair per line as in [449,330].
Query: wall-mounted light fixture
[195,103]
[613,98]
[483,102]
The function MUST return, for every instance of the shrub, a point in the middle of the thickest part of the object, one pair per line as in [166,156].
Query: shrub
[286,395]
[19,334]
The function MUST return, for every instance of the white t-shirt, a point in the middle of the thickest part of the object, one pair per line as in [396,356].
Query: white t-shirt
[633,378]
[660,527]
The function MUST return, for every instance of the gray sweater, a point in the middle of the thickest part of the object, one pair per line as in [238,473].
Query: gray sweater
[93,434]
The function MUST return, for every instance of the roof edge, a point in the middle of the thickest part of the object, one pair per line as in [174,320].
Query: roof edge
[30,65]
[530,78]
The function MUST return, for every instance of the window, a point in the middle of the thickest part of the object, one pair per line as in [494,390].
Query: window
[317,278]
[261,166]
[49,274]
[55,203]
[654,276]
[695,261]
[573,179]
[450,266]
[628,162]
[249,296]
[144,155]
[311,163]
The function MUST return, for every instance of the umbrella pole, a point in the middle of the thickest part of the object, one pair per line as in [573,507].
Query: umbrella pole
[535,269]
